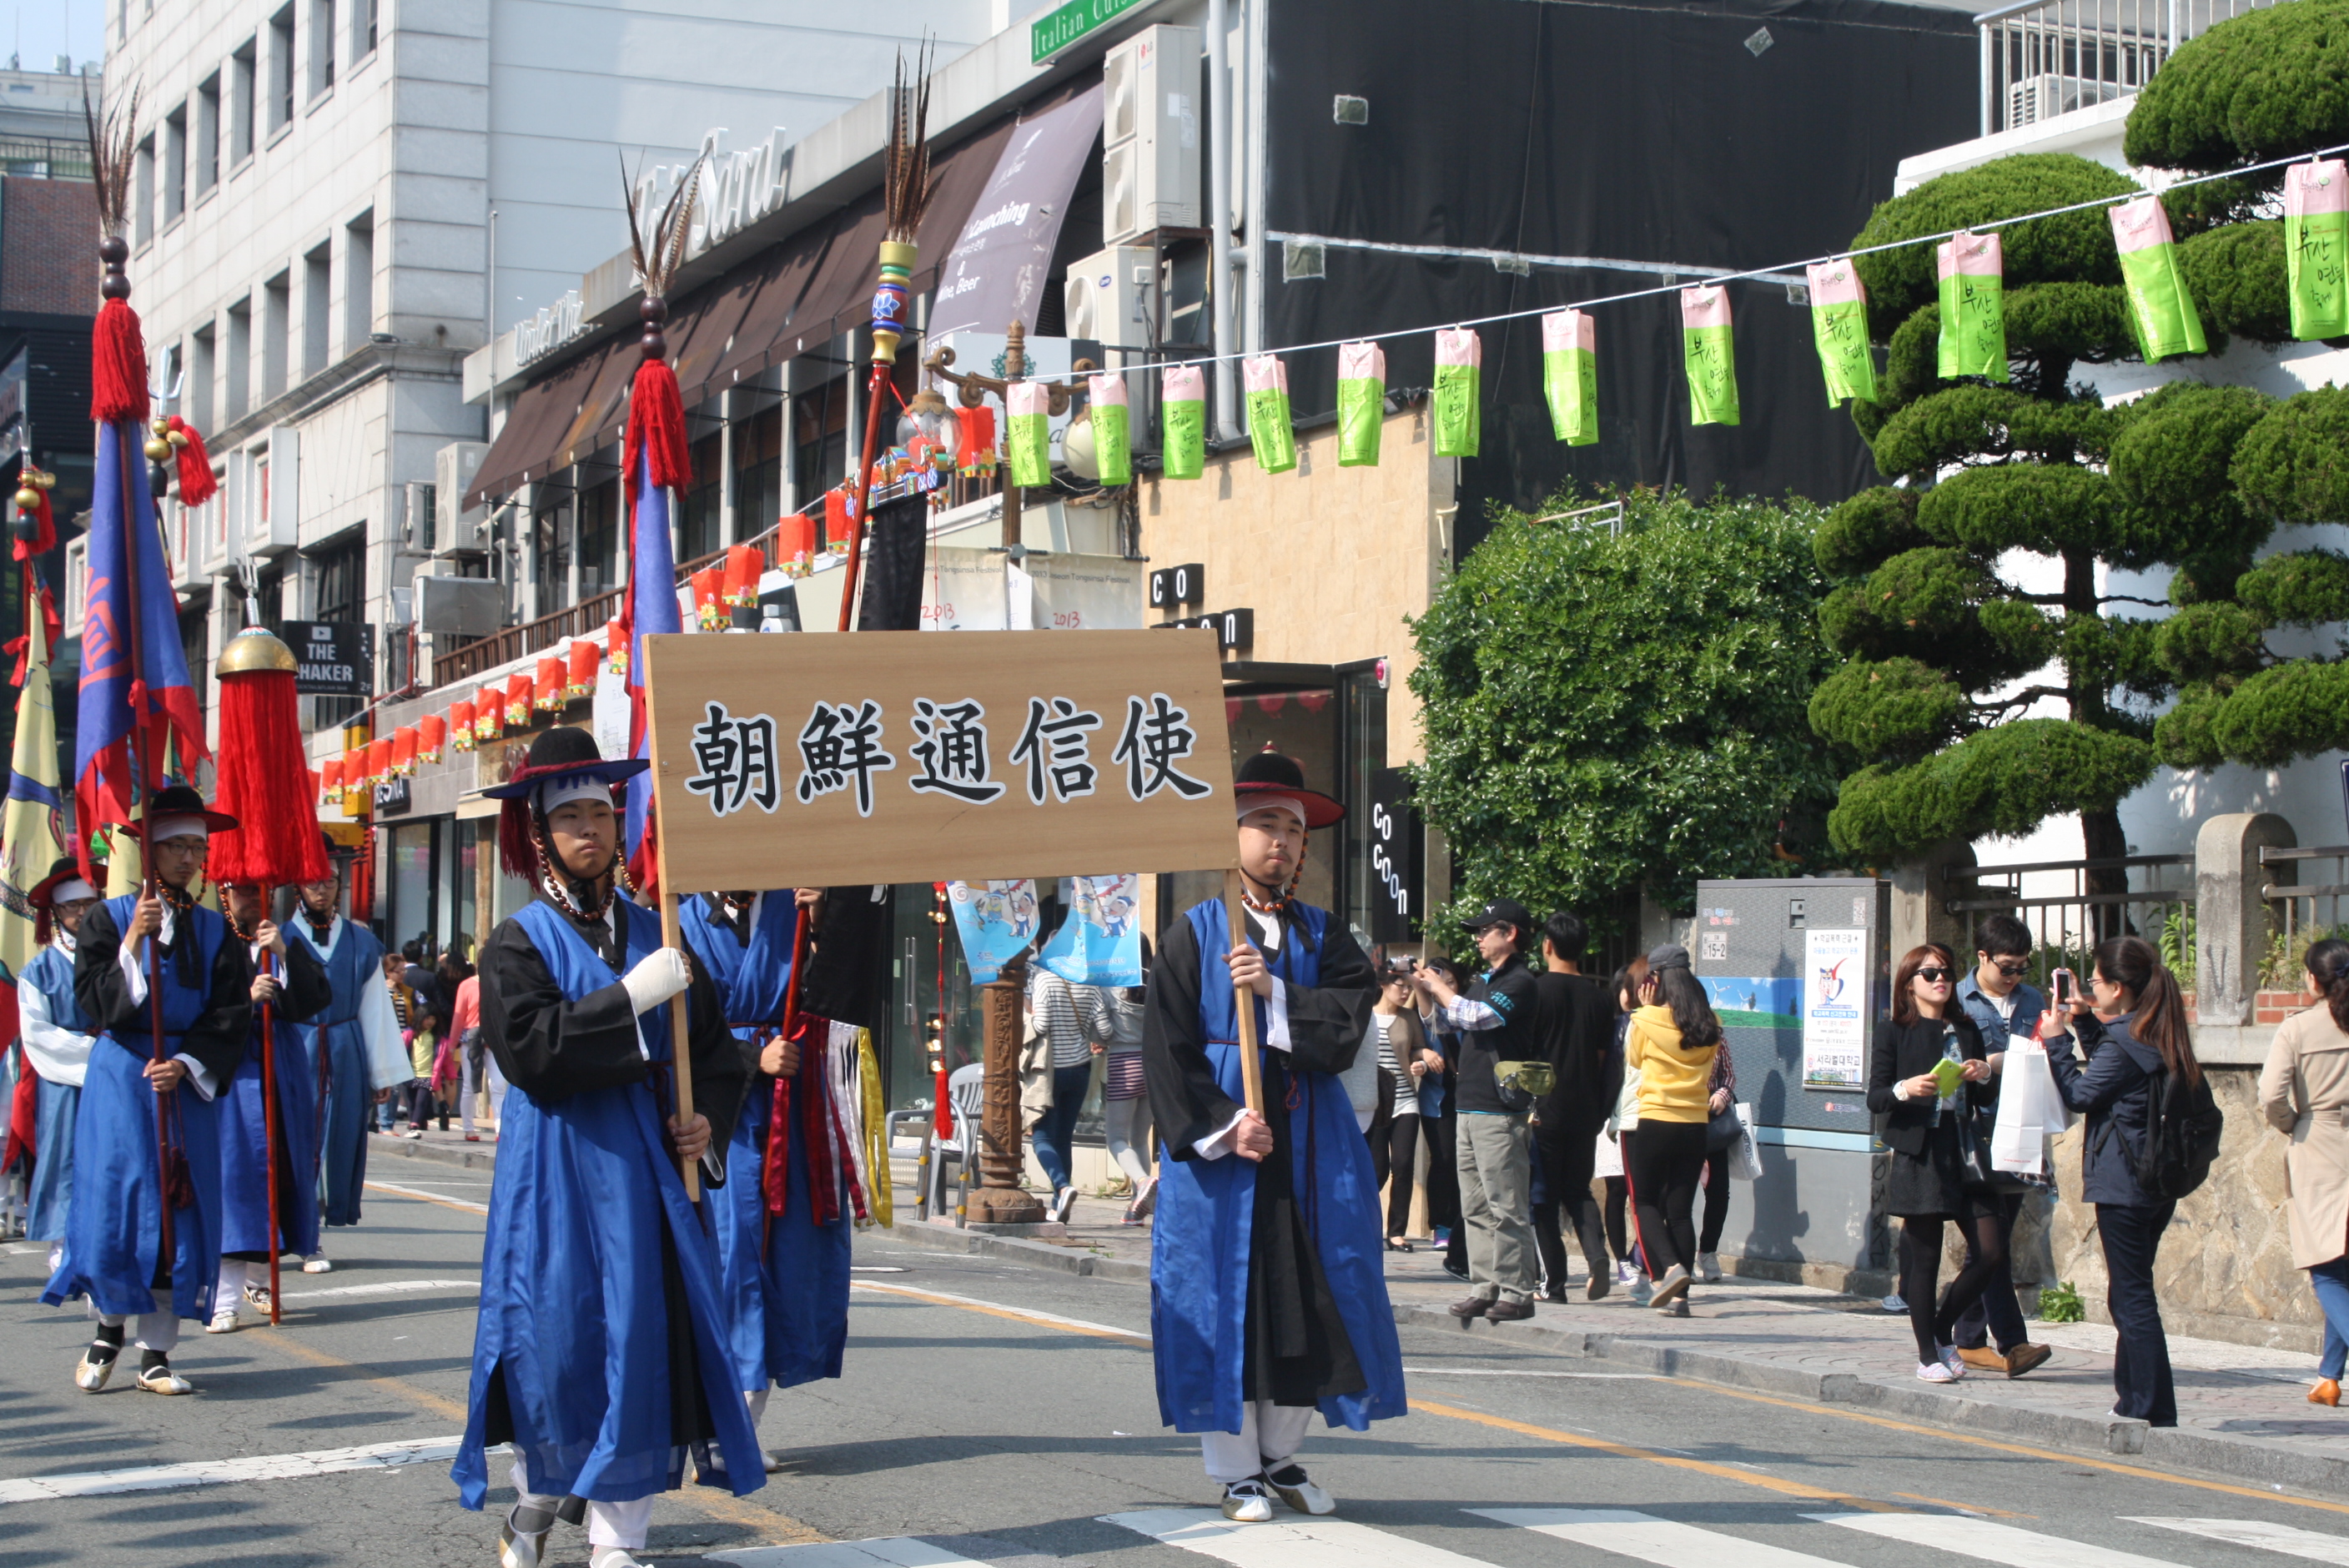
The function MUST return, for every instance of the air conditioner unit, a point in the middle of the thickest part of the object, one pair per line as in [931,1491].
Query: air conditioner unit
[1109,296]
[2044,96]
[457,530]
[267,508]
[1150,157]
[462,608]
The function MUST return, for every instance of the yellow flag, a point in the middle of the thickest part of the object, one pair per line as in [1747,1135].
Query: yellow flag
[32,826]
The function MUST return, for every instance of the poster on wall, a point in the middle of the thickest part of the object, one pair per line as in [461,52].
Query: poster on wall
[1099,944]
[1835,1007]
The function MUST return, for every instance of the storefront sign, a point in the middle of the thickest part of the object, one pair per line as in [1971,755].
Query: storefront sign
[1173,585]
[891,757]
[995,274]
[1396,839]
[1049,35]
[549,329]
[1233,629]
[392,798]
[1835,1007]
[337,658]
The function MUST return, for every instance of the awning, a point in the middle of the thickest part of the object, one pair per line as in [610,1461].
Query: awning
[533,429]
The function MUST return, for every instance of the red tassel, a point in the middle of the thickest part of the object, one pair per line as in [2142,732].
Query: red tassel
[942,1109]
[515,851]
[656,429]
[118,365]
[264,783]
[197,484]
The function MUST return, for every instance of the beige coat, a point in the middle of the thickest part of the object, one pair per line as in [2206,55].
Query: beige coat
[2304,1093]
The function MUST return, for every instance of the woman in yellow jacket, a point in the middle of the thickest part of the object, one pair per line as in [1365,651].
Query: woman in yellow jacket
[1669,1048]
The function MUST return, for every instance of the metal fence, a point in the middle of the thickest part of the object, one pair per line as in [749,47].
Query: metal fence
[2041,58]
[2301,912]
[2069,906]
[45,158]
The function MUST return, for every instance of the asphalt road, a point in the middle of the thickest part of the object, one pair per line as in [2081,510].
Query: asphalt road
[995,1414]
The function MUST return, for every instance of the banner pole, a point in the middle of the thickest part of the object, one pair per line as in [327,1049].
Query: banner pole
[1244,999]
[672,935]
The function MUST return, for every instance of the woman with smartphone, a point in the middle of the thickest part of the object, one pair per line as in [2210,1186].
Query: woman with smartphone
[1926,1064]
[2132,1025]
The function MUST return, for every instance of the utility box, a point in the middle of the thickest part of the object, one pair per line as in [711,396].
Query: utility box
[1797,971]
[1150,135]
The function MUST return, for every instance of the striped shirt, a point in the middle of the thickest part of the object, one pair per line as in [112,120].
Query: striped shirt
[1072,1016]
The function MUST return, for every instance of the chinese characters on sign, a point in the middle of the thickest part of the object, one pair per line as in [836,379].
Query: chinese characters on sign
[737,760]
[833,744]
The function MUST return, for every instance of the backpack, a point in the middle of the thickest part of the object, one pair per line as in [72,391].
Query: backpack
[2181,1138]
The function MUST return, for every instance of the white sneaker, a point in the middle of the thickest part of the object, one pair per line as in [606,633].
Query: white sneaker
[613,1557]
[164,1380]
[1063,1203]
[223,1320]
[1293,1487]
[1896,1302]
[1708,1267]
[1935,1372]
[1625,1274]
[1953,1361]
[1247,1502]
[316,1262]
[413,1132]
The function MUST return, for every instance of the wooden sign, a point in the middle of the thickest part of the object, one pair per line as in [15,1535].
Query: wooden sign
[893,757]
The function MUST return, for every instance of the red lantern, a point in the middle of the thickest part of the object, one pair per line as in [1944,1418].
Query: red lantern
[461,725]
[330,781]
[708,596]
[354,780]
[549,697]
[584,654]
[378,760]
[745,564]
[431,734]
[489,713]
[403,751]
[839,519]
[795,543]
[518,688]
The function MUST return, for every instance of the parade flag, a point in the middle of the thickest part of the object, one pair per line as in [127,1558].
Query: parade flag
[1269,431]
[1182,418]
[995,920]
[461,725]
[657,465]
[1972,270]
[1027,433]
[2316,247]
[432,737]
[1361,403]
[1710,355]
[2159,307]
[1459,392]
[32,826]
[1839,323]
[1570,376]
[1112,422]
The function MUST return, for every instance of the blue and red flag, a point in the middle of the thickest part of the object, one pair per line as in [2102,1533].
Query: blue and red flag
[654,456]
[129,583]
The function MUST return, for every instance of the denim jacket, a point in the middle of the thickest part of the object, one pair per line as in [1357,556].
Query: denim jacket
[2029,1003]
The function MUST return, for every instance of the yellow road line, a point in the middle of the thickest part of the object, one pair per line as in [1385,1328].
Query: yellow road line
[1016,1314]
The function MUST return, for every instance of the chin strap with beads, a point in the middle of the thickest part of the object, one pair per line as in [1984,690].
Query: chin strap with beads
[553,878]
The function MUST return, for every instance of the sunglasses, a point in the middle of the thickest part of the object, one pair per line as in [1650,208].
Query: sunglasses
[1933,975]
[2014,970]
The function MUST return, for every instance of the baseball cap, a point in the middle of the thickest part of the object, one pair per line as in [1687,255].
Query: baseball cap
[1502,912]
[1669,956]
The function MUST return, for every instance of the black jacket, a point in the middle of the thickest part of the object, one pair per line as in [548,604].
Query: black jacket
[1903,1051]
[2115,1092]
[1577,1026]
[1509,992]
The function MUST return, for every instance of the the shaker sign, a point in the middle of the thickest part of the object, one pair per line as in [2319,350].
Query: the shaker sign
[337,658]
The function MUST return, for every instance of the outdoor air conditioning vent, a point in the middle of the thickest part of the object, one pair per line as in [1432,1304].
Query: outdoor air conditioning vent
[1107,295]
[1149,136]
[456,530]
[2042,97]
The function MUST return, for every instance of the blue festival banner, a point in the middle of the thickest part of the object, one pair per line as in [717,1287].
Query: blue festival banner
[1099,944]
[995,920]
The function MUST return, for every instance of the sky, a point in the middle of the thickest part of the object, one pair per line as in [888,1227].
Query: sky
[40,30]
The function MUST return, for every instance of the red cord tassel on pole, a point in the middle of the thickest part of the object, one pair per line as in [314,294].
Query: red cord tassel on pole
[197,484]
[657,430]
[264,775]
[118,365]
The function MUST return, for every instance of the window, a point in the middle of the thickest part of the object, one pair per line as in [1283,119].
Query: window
[202,368]
[236,394]
[143,193]
[175,163]
[242,71]
[363,14]
[321,46]
[317,288]
[358,282]
[206,146]
[599,539]
[819,443]
[696,533]
[758,470]
[281,68]
[276,333]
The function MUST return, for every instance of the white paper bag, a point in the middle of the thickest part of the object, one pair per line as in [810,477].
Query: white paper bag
[2027,1103]
[1745,1155]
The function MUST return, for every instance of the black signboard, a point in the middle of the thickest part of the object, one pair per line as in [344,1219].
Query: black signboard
[1173,585]
[392,798]
[1396,842]
[338,657]
[1233,629]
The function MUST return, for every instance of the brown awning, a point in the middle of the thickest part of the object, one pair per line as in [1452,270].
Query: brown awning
[535,425]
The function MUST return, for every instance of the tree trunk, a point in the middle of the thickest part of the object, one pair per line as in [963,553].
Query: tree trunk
[2100,832]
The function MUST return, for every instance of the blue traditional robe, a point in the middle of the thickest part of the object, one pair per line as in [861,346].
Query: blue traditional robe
[114,1243]
[786,1287]
[336,1045]
[593,1252]
[244,1125]
[57,1102]
[1207,1339]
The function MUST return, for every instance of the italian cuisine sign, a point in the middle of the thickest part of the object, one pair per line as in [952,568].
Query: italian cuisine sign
[886,757]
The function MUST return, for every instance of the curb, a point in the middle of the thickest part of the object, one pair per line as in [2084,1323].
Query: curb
[1013,1249]
[470,1159]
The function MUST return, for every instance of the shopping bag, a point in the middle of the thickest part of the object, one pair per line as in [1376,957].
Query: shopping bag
[1745,1154]
[2018,1139]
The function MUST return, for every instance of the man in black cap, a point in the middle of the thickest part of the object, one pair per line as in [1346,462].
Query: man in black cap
[1497,1022]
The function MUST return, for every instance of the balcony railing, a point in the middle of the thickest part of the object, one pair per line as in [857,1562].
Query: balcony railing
[2041,58]
[2067,914]
[2304,911]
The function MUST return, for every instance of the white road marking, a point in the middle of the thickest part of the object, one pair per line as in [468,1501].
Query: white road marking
[19,1250]
[893,1551]
[2289,1539]
[388,1288]
[1993,1543]
[1511,1372]
[1650,1540]
[428,1197]
[215,1472]
[1048,1319]
[1286,1543]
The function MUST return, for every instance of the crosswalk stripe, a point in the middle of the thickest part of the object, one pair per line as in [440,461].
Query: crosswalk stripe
[1992,1542]
[1286,1543]
[2289,1539]
[216,1472]
[892,1552]
[1650,1540]
[386,1287]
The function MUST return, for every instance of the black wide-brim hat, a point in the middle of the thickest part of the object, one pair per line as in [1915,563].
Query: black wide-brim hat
[567,751]
[1269,773]
[43,894]
[181,801]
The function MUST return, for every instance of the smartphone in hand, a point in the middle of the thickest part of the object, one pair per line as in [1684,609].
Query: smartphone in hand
[2065,985]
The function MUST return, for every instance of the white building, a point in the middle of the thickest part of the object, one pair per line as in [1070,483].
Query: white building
[335,201]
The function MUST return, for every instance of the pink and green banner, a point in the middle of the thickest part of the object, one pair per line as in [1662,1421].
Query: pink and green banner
[2159,307]
[1183,422]
[1269,431]
[1839,323]
[1113,428]
[1459,393]
[1361,403]
[1028,435]
[2316,247]
[1570,376]
[1972,270]
[1709,354]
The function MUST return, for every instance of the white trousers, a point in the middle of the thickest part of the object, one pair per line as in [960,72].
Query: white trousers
[608,1524]
[757,1400]
[1268,1438]
[472,1086]
[1127,1123]
[158,1331]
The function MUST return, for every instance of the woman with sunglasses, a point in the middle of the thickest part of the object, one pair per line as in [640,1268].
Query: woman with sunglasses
[1925,1185]
[2133,1027]
[1404,1061]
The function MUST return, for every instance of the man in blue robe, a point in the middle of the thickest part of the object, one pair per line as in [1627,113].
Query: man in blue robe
[288,984]
[785,1279]
[602,1352]
[355,1055]
[125,1170]
[56,1039]
[1267,1281]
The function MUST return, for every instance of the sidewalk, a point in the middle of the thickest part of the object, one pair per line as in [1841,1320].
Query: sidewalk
[2242,1411]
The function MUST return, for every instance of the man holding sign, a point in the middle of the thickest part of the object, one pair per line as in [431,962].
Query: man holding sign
[1268,1284]
[602,1350]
